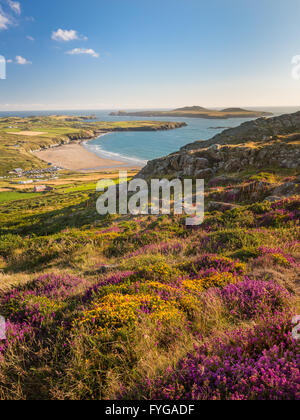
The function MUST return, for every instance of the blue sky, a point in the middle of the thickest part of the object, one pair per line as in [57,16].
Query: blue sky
[144,54]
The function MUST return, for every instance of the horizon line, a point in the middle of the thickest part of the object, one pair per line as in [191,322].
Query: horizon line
[141,108]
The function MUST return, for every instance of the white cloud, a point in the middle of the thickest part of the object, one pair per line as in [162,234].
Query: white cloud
[65,36]
[9,61]
[4,20]
[22,61]
[30,38]
[15,6]
[78,51]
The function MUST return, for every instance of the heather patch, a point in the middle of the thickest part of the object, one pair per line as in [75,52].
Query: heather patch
[206,264]
[278,256]
[251,299]
[259,364]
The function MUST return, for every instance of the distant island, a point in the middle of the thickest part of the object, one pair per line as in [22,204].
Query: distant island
[197,112]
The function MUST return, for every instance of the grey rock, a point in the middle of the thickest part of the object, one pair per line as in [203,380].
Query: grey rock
[286,189]
[201,163]
[204,174]
[220,206]
[189,170]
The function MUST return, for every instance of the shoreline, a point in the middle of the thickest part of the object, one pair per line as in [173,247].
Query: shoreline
[103,154]
[76,157]
[71,152]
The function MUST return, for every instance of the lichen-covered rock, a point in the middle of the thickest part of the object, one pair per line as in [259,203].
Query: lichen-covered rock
[204,173]
[201,163]
[287,189]
[220,206]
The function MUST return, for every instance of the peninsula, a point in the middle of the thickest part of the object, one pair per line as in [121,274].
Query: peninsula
[26,143]
[197,112]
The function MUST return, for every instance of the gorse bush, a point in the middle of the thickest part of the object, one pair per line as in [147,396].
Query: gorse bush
[115,312]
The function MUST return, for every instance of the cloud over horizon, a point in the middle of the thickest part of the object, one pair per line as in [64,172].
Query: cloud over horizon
[87,51]
[22,61]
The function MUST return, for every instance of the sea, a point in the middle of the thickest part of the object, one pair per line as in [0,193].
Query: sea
[137,148]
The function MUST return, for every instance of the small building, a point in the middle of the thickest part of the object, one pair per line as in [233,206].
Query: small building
[18,171]
[42,188]
[30,181]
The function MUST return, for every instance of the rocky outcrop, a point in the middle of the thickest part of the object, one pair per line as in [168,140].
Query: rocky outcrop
[263,143]
[220,206]
[251,191]
[205,163]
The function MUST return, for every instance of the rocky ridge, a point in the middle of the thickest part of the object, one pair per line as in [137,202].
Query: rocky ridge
[262,129]
[272,143]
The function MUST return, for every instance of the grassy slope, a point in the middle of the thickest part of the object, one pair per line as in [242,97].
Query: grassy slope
[84,354]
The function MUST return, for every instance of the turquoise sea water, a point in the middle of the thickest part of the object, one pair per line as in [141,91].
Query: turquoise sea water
[139,147]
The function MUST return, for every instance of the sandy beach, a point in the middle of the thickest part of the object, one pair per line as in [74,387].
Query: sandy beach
[76,157]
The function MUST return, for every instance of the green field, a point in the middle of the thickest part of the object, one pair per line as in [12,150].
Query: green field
[14,196]
[85,187]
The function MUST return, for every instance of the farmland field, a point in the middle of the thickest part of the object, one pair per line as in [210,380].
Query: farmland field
[14,195]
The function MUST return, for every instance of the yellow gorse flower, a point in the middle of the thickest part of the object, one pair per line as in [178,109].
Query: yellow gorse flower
[280,259]
[216,280]
[116,311]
